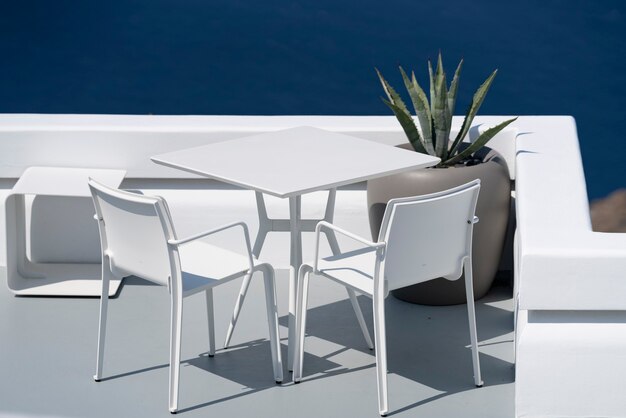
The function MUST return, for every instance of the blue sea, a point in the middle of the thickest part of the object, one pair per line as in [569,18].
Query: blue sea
[318,57]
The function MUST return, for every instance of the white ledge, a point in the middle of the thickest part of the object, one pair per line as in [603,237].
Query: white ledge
[562,263]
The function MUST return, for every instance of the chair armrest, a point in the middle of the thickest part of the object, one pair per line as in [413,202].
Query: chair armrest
[244,227]
[325,225]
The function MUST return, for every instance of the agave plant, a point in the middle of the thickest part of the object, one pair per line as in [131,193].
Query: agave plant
[435,118]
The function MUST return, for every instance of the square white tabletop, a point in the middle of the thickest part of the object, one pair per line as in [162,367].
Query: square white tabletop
[295,161]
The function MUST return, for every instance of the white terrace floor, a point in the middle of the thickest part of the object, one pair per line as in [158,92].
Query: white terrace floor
[49,346]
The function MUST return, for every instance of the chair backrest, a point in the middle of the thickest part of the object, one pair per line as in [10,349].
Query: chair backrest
[134,230]
[428,236]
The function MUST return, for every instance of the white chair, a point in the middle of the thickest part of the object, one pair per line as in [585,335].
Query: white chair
[421,238]
[138,238]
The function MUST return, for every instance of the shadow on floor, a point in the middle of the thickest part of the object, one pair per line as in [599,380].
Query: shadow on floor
[425,344]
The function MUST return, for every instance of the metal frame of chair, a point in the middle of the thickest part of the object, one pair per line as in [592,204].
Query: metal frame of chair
[437,228]
[138,238]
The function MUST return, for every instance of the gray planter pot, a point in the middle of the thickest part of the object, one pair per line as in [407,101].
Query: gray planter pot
[488,239]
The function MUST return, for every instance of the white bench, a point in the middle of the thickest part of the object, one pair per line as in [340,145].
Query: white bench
[60,203]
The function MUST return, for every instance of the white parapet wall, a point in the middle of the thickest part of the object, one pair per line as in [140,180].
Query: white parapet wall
[128,141]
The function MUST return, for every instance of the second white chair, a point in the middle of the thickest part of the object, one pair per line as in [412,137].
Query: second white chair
[138,238]
[421,238]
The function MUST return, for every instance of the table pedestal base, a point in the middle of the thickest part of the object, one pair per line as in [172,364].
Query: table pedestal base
[295,225]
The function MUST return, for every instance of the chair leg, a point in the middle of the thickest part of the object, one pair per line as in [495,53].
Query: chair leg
[469,292]
[175,340]
[291,321]
[104,307]
[360,318]
[211,320]
[272,320]
[381,351]
[300,320]
[238,304]
[515,319]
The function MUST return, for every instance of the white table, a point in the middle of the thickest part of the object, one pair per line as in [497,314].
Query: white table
[65,254]
[288,164]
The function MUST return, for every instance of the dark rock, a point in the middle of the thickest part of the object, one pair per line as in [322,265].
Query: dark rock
[609,214]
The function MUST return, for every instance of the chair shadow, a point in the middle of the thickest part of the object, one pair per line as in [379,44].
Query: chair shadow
[134,372]
[434,352]
[137,281]
[248,364]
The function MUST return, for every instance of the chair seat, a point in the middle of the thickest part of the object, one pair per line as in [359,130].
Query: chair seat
[204,265]
[353,268]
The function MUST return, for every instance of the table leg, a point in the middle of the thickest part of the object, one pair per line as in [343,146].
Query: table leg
[295,217]
[295,214]
[328,217]
[265,226]
[238,304]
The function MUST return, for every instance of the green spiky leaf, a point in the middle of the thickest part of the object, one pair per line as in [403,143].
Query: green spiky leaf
[439,71]
[407,123]
[392,95]
[424,99]
[422,109]
[454,88]
[441,114]
[478,144]
[477,100]
[431,77]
